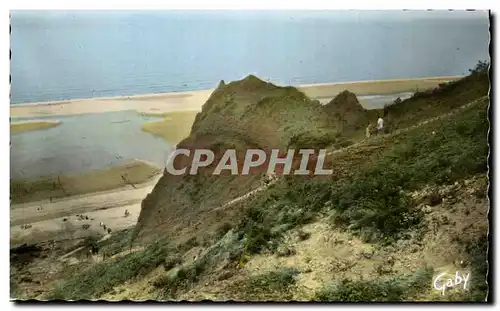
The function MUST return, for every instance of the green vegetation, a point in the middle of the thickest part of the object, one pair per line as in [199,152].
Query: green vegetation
[477,249]
[318,140]
[375,196]
[397,288]
[96,280]
[368,194]
[235,112]
[437,101]
[117,243]
[371,199]
[268,286]
[172,284]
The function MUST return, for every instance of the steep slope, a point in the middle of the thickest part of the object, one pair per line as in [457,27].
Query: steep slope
[399,210]
[244,114]
[402,209]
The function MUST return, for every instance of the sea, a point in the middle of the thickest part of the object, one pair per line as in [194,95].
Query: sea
[64,55]
[61,55]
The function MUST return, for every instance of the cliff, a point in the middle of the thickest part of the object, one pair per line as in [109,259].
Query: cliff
[248,113]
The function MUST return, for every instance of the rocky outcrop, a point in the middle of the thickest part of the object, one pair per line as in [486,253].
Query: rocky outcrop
[249,113]
[347,111]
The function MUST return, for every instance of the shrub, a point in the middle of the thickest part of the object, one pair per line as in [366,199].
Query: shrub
[172,261]
[374,196]
[171,284]
[222,230]
[481,67]
[272,285]
[385,289]
[313,140]
[100,278]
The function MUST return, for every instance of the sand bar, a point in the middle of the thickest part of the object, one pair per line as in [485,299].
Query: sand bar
[193,101]
[32,125]
[174,127]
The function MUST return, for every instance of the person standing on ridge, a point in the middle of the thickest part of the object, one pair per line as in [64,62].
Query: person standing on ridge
[380,125]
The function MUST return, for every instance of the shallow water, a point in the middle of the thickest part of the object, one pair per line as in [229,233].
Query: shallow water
[83,143]
[374,101]
[379,101]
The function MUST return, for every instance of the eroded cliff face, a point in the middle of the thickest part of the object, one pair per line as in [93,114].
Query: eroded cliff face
[240,115]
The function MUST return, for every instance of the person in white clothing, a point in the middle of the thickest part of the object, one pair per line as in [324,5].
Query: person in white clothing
[380,125]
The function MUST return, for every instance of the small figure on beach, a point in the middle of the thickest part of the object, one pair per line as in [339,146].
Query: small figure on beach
[127,213]
[109,230]
[101,224]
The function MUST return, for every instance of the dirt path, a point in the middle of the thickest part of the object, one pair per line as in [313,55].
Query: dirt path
[407,129]
[356,145]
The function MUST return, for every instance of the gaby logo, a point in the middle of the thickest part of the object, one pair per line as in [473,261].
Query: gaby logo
[441,283]
[253,158]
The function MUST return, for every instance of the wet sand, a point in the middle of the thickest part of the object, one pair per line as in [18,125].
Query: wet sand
[174,127]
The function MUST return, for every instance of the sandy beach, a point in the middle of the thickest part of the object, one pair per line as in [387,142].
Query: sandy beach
[174,127]
[105,206]
[158,104]
[374,87]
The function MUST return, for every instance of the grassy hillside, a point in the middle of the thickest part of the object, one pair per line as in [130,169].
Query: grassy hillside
[399,208]
[439,100]
[370,197]
[370,201]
